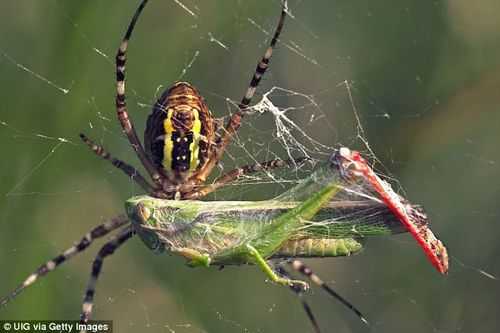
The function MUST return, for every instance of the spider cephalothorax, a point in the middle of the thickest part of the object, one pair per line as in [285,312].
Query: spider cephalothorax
[179,133]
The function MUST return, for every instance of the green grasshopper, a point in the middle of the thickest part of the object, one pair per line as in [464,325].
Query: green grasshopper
[305,221]
[328,214]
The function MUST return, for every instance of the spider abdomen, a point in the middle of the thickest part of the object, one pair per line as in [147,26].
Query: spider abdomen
[179,132]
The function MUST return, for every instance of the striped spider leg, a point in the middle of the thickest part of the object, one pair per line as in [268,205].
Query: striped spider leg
[121,105]
[129,170]
[300,294]
[235,174]
[301,268]
[108,249]
[97,232]
[234,121]
[123,117]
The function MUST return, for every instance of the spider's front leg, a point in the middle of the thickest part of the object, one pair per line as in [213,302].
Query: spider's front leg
[234,122]
[121,105]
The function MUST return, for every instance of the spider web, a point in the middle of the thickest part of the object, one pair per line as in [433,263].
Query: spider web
[418,100]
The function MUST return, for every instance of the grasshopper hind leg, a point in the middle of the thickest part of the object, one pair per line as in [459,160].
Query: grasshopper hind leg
[258,260]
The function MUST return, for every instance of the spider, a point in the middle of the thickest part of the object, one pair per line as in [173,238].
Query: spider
[179,153]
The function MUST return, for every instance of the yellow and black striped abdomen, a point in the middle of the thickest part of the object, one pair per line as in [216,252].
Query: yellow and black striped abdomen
[179,132]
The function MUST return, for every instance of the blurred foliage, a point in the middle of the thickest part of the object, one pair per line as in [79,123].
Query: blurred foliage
[425,80]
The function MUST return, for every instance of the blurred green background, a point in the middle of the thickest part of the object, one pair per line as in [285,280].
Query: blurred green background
[425,74]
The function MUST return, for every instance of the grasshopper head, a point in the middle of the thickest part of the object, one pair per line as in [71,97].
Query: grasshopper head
[161,224]
[141,212]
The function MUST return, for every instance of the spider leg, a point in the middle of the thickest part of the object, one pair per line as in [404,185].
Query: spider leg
[108,249]
[121,105]
[300,267]
[97,232]
[234,174]
[264,62]
[300,294]
[127,168]
[234,122]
